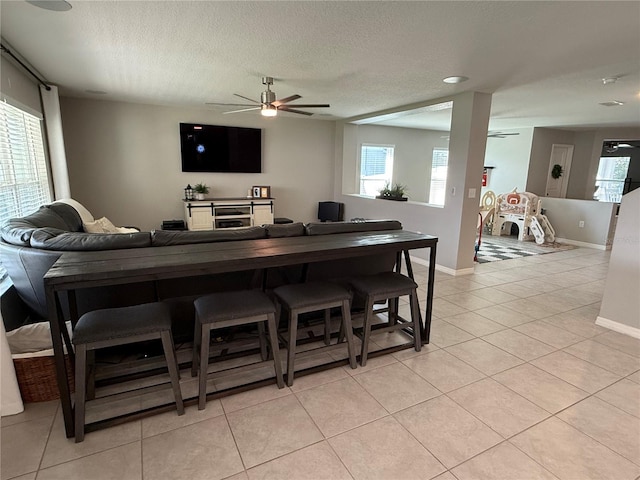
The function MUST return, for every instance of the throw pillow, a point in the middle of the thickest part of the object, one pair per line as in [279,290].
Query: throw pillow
[102,225]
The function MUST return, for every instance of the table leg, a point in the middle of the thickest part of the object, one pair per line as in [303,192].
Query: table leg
[430,284]
[407,262]
[56,321]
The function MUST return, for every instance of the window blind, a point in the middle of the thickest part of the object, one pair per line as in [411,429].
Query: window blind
[376,167]
[438,184]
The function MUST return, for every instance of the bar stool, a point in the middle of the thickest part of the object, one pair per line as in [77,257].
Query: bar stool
[386,286]
[119,326]
[230,309]
[311,297]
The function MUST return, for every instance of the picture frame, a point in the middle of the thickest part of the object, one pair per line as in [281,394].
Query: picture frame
[261,191]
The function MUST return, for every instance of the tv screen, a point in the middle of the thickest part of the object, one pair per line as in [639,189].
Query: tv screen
[213,148]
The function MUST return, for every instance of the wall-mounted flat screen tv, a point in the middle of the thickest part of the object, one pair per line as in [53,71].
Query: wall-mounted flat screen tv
[213,148]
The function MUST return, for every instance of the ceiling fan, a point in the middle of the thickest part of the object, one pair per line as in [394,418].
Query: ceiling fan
[268,105]
[501,134]
[612,147]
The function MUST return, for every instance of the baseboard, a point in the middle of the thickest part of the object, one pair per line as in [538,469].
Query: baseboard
[440,268]
[618,327]
[583,244]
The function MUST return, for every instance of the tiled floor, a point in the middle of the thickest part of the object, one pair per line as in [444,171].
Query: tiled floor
[517,383]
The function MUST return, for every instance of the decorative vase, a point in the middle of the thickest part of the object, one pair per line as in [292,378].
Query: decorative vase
[199,196]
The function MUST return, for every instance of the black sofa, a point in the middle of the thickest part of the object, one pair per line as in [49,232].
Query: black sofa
[29,246]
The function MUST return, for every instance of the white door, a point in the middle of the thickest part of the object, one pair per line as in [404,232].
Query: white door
[560,155]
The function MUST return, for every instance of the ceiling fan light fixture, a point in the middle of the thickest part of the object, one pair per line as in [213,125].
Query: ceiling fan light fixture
[455,79]
[268,111]
[609,80]
[53,5]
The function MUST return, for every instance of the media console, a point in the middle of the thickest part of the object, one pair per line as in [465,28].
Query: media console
[218,213]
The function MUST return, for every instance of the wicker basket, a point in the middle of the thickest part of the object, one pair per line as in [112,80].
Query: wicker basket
[37,378]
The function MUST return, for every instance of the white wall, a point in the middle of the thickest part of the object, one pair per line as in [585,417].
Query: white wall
[124,161]
[621,302]
[543,140]
[413,154]
[510,157]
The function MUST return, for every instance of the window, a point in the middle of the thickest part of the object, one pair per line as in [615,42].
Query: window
[610,178]
[24,181]
[376,167]
[439,166]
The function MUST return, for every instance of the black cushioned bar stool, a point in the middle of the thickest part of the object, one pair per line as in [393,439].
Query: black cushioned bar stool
[386,286]
[312,297]
[230,309]
[119,326]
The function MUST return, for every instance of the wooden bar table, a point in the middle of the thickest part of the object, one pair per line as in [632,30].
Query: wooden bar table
[78,270]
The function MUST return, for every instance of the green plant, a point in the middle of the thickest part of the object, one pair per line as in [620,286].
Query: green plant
[556,171]
[397,191]
[201,188]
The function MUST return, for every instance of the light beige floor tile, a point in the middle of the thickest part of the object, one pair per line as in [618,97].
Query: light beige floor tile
[411,353]
[468,301]
[443,370]
[29,476]
[315,462]
[467,283]
[167,421]
[22,446]
[271,429]
[549,334]
[493,295]
[448,431]
[484,279]
[624,394]
[444,334]
[502,462]
[238,476]
[571,455]
[32,411]
[609,425]
[340,406]
[503,410]
[624,343]
[121,463]
[505,315]
[584,328]
[563,303]
[475,324]
[540,387]
[515,289]
[518,344]
[577,372]
[634,377]
[204,450]
[372,364]
[252,397]
[443,308]
[319,378]
[384,449]
[445,476]
[484,356]
[396,387]
[535,310]
[606,357]
[61,449]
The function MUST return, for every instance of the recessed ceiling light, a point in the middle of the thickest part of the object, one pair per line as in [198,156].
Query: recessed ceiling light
[54,5]
[609,80]
[612,103]
[456,79]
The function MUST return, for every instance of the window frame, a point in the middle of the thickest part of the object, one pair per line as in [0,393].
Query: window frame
[388,174]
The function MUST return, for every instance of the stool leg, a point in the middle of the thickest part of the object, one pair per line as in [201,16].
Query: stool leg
[169,355]
[204,364]
[347,328]
[91,374]
[81,371]
[197,340]
[263,343]
[275,351]
[415,316]
[327,326]
[291,354]
[366,330]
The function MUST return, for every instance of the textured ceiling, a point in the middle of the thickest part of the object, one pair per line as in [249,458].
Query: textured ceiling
[543,61]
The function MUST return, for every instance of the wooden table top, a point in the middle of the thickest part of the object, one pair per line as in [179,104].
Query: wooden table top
[85,269]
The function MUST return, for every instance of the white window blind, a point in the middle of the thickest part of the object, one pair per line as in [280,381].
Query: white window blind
[376,167]
[24,181]
[439,167]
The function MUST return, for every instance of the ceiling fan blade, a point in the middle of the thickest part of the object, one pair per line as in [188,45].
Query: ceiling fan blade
[286,109]
[501,134]
[229,104]
[311,105]
[246,98]
[282,101]
[242,110]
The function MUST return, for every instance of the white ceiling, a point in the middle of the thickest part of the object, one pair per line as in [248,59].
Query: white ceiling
[543,61]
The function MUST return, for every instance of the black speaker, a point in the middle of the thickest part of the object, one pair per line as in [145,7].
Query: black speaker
[330,211]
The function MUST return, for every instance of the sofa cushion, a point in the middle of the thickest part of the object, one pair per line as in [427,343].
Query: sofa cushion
[161,238]
[327,228]
[284,230]
[18,231]
[54,239]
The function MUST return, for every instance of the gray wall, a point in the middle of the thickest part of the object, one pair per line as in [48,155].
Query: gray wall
[124,161]
[621,302]
[543,140]
[19,87]
[510,157]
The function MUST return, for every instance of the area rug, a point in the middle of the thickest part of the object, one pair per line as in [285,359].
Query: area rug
[506,248]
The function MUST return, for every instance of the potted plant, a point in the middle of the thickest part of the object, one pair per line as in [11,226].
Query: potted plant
[200,190]
[395,192]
